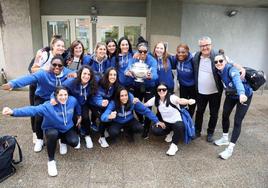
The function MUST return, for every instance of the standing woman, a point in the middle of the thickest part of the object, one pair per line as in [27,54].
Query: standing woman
[144,90]
[46,82]
[124,56]
[240,97]
[58,122]
[83,88]
[164,67]
[106,90]
[111,50]
[183,62]
[76,57]
[171,116]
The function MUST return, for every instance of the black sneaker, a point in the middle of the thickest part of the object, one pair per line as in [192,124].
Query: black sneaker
[145,135]
[210,138]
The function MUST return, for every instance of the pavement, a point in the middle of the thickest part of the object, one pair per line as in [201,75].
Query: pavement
[144,162]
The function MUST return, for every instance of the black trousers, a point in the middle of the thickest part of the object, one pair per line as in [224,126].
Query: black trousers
[214,101]
[85,124]
[177,128]
[131,127]
[52,135]
[32,89]
[38,119]
[241,110]
[188,92]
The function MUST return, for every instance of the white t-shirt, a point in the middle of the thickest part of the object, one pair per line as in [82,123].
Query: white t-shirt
[44,63]
[169,114]
[206,81]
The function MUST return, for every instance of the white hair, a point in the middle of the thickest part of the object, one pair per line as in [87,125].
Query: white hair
[206,38]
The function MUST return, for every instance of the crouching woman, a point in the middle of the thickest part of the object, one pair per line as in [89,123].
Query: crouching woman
[120,114]
[57,122]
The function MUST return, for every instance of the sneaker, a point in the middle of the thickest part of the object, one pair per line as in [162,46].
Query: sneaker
[221,142]
[169,136]
[103,142]
[52,168]
[34,138]
[210,138]
[78,145]
[226,154]
[63,148]
[38,145]
[89,143]
[172,149]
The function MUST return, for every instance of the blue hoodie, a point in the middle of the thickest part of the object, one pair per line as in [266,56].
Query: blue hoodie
[125,116]
[124,61]
[99,68]
[185,70]
[59,117]
[230,77]
[164,75]
[102,95]
[46,81]
[152,65]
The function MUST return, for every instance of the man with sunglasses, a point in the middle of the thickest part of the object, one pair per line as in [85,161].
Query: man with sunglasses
[145,90]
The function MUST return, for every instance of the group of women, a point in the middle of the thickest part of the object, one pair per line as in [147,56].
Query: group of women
[70,84]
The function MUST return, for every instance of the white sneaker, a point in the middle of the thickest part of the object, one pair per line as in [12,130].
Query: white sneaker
[78,145]
[226,154]
[89,143]
[63,148]
[34,138]
[106,134]
[221,142]
[169,136]
[52,168]
[38,145]
[172,149]
[103,142]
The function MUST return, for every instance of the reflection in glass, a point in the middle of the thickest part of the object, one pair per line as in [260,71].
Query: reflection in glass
[82,26]
[59,28]
[109,32]
[132,33]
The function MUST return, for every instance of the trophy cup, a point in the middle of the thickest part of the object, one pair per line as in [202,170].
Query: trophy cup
[139,70]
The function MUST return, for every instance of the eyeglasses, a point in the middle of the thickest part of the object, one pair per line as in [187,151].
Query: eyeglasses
[219,61]
[55,65]
[142,51]
[204,46]
[161,89]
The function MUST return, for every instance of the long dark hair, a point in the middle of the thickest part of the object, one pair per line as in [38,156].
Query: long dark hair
[118,51]
[117,100]
[57,90]
[92,82]
[73,45]
[157,97]
[107,42]
[104,81]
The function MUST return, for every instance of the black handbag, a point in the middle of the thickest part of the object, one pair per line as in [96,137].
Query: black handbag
[7,148]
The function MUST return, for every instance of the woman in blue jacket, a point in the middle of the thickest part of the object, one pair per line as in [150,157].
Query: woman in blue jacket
[46,82]
[239,94]
[57,123]
[120,114]
[83,88]
[183,63]
[111,50]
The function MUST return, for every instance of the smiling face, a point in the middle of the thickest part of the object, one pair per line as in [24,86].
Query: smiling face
[123,96]
[58,47]
[219,62]
[78,50]
[56,66]
[205,47]
[112,76]
[162,91]
[101,51]
[159,50]
[62,96]
[85,76]
[111,47]
[124,46]
[143,52]
[182,53]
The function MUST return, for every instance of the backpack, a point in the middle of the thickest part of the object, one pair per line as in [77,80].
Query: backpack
[189,126]
[7,147]
[255,78]
[45,49]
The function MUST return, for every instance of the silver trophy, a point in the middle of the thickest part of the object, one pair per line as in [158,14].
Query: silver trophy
[139,70]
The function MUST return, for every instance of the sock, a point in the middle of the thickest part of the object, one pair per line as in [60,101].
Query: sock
[225,136]
[231,146]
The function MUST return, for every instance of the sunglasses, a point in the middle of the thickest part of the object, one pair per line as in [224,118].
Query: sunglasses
[55,65]
[204,46]
[161,89]
[219,61]
[142,51]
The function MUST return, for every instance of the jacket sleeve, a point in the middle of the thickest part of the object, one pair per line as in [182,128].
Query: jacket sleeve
[173,62]
[29,111]
[77,108]
[235,76]
[107,112]
[153,68]
[140,108]
[25,80]
[96,100]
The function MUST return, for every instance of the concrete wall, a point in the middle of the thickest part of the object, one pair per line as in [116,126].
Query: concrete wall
[244,36]
[16,37]
[82,7]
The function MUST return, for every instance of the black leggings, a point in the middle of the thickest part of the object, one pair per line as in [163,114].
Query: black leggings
[188,92]
[177,128]
[38,119]
[85,124]
[70,137]
[32,89]
[241,110]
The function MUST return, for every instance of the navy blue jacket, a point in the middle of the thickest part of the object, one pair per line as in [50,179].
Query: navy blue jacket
[123,63]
